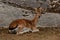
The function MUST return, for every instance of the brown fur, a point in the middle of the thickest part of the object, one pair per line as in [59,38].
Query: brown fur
[27,23]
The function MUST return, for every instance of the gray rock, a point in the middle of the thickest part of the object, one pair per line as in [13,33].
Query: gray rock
[9,13]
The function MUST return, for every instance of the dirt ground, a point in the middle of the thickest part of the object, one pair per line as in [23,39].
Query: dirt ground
[44,34]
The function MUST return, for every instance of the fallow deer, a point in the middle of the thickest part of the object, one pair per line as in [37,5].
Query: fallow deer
[18,26]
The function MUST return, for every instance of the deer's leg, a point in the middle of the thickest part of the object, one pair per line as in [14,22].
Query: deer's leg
[20,28]
[23,30]
[34,29]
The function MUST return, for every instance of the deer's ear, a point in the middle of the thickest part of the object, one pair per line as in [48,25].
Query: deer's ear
[41,9]
[35,9]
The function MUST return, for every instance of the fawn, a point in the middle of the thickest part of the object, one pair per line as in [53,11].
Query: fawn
[18,26]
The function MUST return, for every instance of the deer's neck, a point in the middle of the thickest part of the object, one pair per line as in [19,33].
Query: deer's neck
[36,17]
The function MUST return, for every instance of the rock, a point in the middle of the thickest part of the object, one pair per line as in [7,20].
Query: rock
[9,13]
